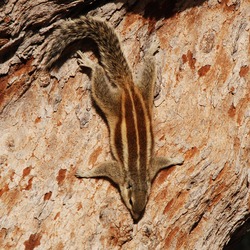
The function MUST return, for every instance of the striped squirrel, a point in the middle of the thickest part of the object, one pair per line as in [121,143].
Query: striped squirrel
[127,107]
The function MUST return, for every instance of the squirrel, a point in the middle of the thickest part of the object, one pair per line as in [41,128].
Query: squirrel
[127,106]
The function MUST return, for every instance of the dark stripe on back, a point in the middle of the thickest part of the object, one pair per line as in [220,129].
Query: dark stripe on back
[118,139]
[131,134]
[142,130]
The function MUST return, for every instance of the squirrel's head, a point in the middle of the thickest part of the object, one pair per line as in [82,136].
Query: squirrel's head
[135,197]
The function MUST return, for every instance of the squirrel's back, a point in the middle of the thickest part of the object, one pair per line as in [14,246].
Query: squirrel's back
[111,55]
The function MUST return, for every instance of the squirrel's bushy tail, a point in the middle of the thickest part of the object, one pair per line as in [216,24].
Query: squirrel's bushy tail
[111,55]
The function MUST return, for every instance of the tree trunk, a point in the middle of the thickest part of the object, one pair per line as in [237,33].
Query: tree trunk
[49,127]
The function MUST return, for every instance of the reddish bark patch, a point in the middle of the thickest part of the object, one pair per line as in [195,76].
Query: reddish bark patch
[10,197]
[15,83]
[79,206]
[191,152]
[184,58]
[229,6]
[168,207]
[171,237]
[232,111]
[4,189]
[47,196]
[191,60]
[60,245]
[61,176]
[59,123]
[3,234]
[242,107]
[243,71]
[162,138]
[94,155]
[175,204]
[29,186]
[38,119]
[232,89]
[236,144]
[57,216]
[163,174]
[32,242]
[161,196]
[222,176]
[130,20]
[222,64]
[203,70]
[181,239]
[26,171]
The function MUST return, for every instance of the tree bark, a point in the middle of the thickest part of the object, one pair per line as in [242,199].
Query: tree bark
[49,127]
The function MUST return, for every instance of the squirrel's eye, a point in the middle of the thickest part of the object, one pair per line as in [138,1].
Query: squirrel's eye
[130,202]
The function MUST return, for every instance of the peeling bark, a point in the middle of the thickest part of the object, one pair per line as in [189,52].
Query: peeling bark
[49,127]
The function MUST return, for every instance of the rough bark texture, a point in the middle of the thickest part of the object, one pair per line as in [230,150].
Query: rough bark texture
[48,128]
